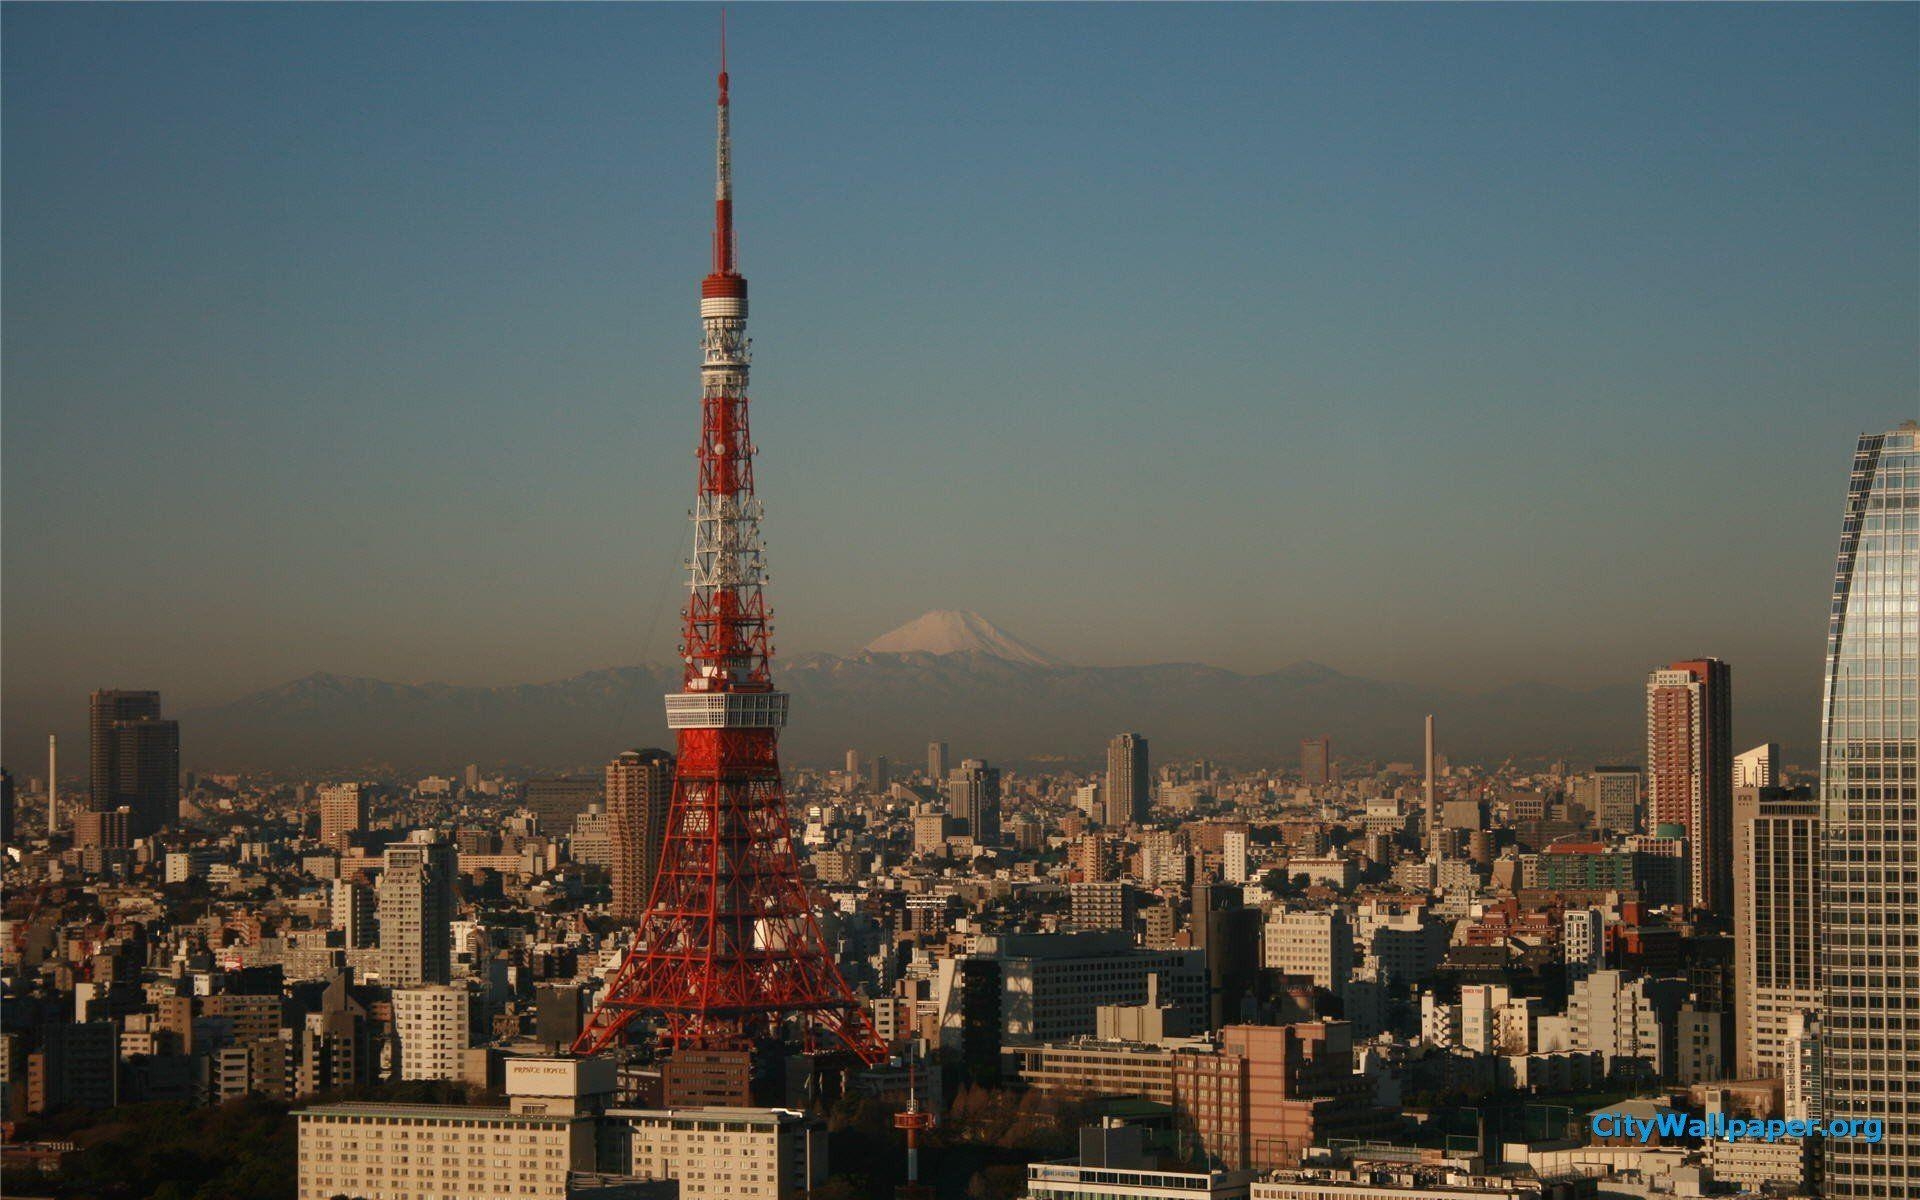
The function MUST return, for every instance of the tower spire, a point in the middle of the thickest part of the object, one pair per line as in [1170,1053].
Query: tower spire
[723,257]
[728,953]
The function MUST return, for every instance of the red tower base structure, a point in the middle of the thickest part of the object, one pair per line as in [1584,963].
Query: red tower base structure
[730,946]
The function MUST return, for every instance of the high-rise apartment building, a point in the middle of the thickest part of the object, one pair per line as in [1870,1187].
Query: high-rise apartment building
[1102,905]
[1583,945]
[592,841]
[1802,1091]
[1758,767]
[1316,761]
[1092,857]
[135,759]
[1316,945]
[343,812]
[937,764]
[1611,796]
[559,801]
[1164,859]
[930,832]
[1869,803]
[77,1066]
[1129,786]
[1236,865]
[639,791]
[432,1030]
[1630,1019]
[973,796]
[1690,771]
[354,914]
[416,912]
[102,830]
[1776,922]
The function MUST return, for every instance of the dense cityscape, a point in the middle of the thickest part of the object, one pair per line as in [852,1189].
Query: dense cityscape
[1110,973]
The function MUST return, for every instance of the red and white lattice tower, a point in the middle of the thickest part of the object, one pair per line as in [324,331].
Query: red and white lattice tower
[729,947]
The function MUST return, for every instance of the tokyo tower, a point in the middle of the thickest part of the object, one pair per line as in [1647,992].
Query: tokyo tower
[728,949]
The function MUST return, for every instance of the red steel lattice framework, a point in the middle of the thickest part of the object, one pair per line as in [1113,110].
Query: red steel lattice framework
[729,947]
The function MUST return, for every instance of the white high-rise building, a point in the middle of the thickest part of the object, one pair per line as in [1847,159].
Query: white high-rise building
[1758,767]
[1776,922]
[1316,944]
[1234,867]
[1398,942]
[343,811]
[1869,751]
[416,911]
[1583,945]
[1632,1020]
[592,842]
[432,1026]
[1802,1080]
[1164,859]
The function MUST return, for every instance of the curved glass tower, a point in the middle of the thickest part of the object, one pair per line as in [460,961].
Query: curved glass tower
[1870,812]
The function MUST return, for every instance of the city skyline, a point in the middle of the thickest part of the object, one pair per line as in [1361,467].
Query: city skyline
[212,369]
[350,938]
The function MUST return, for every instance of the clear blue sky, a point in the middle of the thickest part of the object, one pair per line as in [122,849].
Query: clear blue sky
[1449,343]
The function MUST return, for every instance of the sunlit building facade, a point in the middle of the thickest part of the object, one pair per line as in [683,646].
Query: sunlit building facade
[1870,810]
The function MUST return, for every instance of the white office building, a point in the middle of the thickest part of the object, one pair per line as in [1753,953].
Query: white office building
[522,1151]
[431,1026]
[723,1153]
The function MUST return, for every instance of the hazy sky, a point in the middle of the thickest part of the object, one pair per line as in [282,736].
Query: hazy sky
[1454,343]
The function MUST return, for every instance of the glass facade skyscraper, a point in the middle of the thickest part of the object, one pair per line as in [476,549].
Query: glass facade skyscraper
[1870,812]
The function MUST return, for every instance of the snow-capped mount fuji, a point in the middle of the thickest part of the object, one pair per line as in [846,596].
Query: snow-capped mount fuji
[945,631]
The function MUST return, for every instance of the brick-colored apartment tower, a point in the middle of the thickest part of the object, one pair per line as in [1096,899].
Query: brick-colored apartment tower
[639,789]
[1690,771]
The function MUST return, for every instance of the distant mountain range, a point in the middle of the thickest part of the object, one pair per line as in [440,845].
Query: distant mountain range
[946,675]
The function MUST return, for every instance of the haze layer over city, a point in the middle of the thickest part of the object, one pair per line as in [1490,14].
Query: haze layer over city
[1348,585]
[1485,346]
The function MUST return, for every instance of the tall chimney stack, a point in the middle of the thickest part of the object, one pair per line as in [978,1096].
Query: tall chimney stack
[53,783]
[1433,815]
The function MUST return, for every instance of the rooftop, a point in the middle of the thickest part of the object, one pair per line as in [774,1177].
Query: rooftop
[476,1112]
[750,1116]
